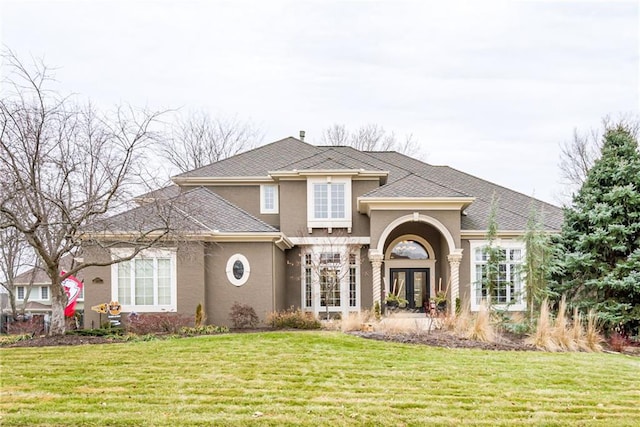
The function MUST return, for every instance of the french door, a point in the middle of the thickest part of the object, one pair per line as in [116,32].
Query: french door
[411,284]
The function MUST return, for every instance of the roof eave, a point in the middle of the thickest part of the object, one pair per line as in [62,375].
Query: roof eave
[367,204]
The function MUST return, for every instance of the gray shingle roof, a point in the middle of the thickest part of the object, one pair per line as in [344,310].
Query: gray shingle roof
[413,186]
[408,177]
[259,161]
[196,210]
[37,275]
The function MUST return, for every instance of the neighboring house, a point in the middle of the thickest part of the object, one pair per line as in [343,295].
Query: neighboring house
[33,292]
[293,224]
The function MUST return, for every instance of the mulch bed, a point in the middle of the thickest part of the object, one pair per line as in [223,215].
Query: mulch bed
[444,339]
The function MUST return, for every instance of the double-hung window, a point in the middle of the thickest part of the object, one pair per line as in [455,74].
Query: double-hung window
[504,287]
[146,283]
[269,199]
[44,293]
[20,292]
[329,203]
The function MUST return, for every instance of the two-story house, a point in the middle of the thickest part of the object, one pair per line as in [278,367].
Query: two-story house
[317,227]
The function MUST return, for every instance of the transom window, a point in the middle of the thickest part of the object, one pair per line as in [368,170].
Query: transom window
[409,249]
[508,290]
[145,283]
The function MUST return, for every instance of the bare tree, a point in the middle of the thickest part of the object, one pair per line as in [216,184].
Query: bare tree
[371,137]
[578,155]
[330,266]
[16,256]
[198,140]
[63,167]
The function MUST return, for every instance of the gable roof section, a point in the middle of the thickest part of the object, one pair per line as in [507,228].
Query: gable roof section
[257,162]
[413,186]
[513,207]
[198,211]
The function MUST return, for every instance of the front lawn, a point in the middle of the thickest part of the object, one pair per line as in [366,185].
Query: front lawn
[311,378]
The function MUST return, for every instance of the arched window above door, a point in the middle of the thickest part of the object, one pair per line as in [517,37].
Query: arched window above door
[409,249]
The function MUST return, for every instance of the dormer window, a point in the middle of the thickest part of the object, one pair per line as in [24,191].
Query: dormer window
[269,199]
[329,203]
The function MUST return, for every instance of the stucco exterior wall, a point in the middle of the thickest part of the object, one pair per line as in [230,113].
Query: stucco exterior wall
[97,285]
[293,277]
[465,274]
[279,278]
[257,292]
[293,210]
[366,280]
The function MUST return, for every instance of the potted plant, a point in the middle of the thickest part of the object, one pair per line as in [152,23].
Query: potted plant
[441,300]
[393,300]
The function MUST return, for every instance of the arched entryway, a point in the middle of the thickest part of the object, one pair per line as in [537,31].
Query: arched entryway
[427,231]
[410,262]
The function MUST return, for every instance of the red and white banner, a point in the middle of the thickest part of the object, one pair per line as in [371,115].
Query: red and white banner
[72,287]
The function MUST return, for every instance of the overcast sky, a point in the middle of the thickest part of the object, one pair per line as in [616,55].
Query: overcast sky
[491,88]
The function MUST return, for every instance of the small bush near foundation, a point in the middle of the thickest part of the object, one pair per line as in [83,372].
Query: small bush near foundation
[157,323]
[293,318]
[203,330]
[243,316]
[10,339]
[97,332]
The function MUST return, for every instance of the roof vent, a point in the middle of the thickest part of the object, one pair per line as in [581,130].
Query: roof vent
[302,135]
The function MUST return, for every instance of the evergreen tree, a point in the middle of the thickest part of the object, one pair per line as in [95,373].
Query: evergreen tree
[537,262]
[600,239]
[494,256]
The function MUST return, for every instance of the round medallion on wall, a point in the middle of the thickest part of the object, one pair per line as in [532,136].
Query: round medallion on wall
[238,269]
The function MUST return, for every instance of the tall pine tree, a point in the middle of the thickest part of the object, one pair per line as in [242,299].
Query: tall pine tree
[599,265]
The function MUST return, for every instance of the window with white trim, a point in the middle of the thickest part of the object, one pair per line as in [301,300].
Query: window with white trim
[44,292]
[330,278]
[20,292]
[329,273]
[308,289]
[269,199]
[146,283]
[509,290]
[238,269]
[329,202]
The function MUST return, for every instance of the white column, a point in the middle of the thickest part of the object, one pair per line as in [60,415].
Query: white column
[454,268]
[376,265]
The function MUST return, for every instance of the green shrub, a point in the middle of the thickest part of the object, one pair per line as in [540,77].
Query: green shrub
[204,330]
[10,339]
[293,318]
[102,332]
